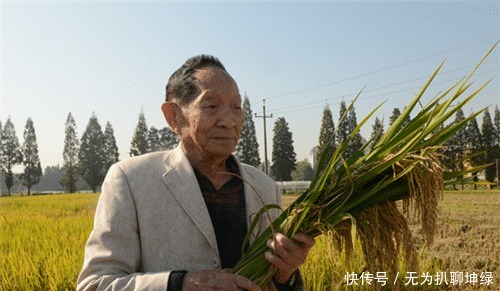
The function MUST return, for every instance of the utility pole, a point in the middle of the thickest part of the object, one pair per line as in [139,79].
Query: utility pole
[264,116]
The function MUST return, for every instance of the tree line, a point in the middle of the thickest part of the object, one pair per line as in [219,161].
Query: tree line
[86,158]
[90,156]
[472,146]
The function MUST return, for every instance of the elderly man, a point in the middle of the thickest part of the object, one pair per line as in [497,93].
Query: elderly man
[176,220]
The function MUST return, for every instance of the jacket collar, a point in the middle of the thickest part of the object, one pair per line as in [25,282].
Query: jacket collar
[181,180]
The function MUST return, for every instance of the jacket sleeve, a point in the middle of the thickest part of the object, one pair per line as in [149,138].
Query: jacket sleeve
[113,251]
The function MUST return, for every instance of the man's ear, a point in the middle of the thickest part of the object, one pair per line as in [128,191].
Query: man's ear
[170,113]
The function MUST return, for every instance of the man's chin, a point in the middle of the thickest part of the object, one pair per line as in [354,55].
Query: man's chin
[222,151]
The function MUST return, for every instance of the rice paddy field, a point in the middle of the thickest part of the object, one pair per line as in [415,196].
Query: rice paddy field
[42,240]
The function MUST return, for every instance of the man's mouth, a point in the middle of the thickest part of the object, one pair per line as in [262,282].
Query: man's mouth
[223,137]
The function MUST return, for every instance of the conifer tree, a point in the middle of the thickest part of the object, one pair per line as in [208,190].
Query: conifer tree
[455,148]
[153,139]
[347,124]
[10,153]
[395,114]
[247,149]
[356,143]
[284,157]
[488,133]
[473,144]
[377,130]
[326,133]
[32,166]
[91,155]
[343,128]
[168,139]
[139,143]
[110,148]
[70,156]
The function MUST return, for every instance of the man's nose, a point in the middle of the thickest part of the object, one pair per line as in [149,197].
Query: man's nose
[228,119]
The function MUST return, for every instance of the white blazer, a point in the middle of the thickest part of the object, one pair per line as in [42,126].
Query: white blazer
[151,219]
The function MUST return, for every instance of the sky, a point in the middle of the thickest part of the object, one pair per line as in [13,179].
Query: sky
[113,59]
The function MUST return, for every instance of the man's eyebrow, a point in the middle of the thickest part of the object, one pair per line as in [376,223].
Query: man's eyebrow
[213,94]
[208,96]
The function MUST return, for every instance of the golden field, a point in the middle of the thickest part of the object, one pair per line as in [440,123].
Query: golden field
[42,240]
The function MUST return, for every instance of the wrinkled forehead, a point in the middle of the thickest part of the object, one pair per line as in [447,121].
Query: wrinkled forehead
[215,81]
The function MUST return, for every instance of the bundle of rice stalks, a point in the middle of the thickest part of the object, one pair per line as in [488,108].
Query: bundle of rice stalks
[404,164]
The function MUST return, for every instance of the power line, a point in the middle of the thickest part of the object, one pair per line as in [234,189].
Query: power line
[391,85]
[382,87]
[374,72]
[292,108]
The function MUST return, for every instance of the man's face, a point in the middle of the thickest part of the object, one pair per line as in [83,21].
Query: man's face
[211,123]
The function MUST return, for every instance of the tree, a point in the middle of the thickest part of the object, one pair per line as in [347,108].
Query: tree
[455,148]
[111,154]
[50,179]
[377,131]
[32,166]
[91,155]
[168,139]
[303,171]
[356,142]
[70,156]
[247,149]
[347,124]
[139,143]
[342,133]
[326,133]
[153,139]
[488,133]
[10,153]
[284,156]
[395,114]
[473,145]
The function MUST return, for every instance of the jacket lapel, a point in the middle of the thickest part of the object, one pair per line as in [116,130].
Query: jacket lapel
[254,200]
[182,182]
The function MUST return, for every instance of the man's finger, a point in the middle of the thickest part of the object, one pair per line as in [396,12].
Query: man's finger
[306,240]
[246,284]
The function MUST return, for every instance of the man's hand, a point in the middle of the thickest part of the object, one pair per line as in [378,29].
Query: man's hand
[288,255]
[217,280]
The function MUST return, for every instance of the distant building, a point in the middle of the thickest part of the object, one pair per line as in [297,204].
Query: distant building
[313,156]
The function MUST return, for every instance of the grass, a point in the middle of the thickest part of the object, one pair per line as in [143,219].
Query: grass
[42,240]
[467,240]
[469,232]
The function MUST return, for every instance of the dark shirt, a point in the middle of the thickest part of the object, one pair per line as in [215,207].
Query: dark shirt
[227,210]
